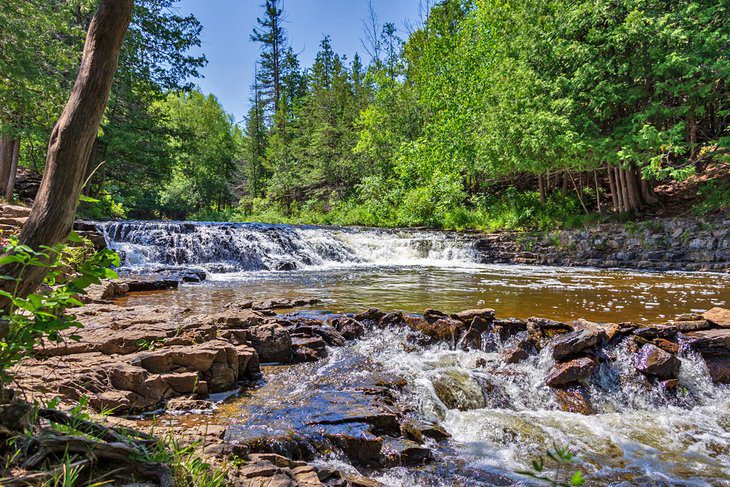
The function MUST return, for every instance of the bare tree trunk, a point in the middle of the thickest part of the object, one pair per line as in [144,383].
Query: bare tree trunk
[13,170]
[624,189]
[633,189]
[565,183]
[6,158]
[692,133]
[541,186]
[613,189]
[578,193]
[53,213]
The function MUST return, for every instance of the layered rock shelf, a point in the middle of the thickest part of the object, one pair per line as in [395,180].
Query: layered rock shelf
[689,244]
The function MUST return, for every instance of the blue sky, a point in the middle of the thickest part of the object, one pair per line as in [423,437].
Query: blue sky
[227,25]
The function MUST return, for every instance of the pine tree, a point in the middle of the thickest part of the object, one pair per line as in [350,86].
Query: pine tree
[273,39]
[256,142]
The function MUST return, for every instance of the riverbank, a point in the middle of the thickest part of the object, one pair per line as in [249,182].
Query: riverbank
[331,392]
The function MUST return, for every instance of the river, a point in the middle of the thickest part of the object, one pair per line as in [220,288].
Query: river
[638,436]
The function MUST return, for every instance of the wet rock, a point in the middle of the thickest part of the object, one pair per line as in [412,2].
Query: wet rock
[542,330]
[467,316]
[270,304]
[458,390]
[714,346]
[372,316]
[350,328]
[573,343]
[434,314]
[518,349]
[308,349]
[605,331]
[472,340]
[138,286]
[718,317]
[433,431]
[666,345]
[574,399]
[272,342]
[319,330]
[410,431]
[407,453]
[391,319]
[360,446]
[652,360]
[573,371]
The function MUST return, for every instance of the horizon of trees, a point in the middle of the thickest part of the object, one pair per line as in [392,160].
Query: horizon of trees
[484,108]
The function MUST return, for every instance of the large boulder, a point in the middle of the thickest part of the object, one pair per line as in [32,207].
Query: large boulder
[653,361]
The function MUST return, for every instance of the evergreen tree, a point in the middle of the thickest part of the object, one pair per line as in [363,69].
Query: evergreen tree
[271,35]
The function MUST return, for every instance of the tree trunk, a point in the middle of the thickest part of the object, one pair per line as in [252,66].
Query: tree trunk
[565,184]
[647,194]
[13,170]
[624,189]
[6,158]
[598,192]
[612,188]
[541,186]
[692,133]
[633,189]
[90,167]
[70,144]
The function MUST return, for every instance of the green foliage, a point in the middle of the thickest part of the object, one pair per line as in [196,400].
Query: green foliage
[562,459]
[33,319]
[714,197]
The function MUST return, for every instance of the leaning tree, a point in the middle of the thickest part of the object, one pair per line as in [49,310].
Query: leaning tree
[72,138]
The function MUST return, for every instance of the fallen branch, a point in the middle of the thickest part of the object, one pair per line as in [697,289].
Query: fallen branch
[121,452]
[114,435]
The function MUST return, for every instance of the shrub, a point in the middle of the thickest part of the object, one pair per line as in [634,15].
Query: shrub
[30,320]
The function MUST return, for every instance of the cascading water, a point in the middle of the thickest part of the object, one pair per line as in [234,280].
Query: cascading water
[226,247]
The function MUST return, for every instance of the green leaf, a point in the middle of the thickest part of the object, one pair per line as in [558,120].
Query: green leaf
[86,199]
[577,479]
[74,237]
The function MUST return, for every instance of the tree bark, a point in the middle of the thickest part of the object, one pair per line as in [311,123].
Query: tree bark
[598,192]
[612,188]
[90,167]
[70,144]
[6,157]
[10,187]
[624,189]
[541,186]
[633,189]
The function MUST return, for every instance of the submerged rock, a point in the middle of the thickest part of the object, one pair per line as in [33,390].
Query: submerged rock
[574,399]
[458,390]
[652,360]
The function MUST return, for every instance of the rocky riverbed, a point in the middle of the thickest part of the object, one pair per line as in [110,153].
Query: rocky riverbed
[329,396]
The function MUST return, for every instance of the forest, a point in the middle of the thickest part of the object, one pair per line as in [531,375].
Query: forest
[485,114]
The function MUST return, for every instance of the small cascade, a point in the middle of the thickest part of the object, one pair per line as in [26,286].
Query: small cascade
[245,247]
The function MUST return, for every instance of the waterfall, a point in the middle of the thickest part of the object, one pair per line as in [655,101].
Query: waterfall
[242,247]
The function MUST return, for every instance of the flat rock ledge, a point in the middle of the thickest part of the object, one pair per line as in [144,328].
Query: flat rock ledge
[131,360]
